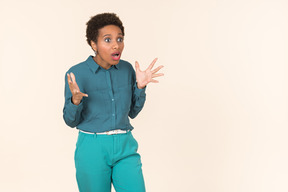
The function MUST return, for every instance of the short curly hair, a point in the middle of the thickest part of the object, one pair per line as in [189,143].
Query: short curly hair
[99,21]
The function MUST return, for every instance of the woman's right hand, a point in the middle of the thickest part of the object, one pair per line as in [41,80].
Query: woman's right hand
[77,95]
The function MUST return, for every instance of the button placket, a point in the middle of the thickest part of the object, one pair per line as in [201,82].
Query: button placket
[109,82]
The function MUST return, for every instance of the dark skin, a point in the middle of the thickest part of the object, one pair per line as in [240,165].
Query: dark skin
[109,41]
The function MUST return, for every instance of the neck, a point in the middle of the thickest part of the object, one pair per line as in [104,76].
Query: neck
[100,62]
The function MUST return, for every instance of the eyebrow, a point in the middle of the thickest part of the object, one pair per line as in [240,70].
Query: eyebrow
[111,35]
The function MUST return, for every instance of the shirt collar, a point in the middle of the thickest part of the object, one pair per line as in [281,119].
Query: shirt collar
[94,66]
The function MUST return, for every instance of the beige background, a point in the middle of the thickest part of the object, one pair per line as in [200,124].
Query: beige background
[217,121]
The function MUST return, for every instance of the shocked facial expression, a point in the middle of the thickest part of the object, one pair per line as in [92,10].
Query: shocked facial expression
[109,46]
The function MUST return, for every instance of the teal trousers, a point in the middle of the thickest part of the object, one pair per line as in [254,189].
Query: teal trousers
[102,160]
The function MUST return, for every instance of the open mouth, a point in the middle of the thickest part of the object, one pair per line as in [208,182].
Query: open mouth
[116,56]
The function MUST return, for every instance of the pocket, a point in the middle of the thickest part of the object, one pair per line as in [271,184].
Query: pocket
[134,142]
[79,139]
[79,142]
[125,94]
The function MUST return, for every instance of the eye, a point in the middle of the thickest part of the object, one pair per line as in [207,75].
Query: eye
[107,40]
[120,39]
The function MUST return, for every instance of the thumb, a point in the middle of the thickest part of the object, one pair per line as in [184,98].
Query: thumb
[137,67]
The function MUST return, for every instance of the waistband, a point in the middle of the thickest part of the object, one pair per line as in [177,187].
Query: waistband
[112,132]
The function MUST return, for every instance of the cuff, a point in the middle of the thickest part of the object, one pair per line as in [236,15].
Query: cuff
[75,107]
[139,92]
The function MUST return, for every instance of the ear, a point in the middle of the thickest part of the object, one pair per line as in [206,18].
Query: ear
[93,45]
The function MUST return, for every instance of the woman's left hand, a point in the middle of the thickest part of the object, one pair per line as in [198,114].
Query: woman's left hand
[145,77]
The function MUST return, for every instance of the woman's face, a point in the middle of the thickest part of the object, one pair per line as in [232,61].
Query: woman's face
[109,46]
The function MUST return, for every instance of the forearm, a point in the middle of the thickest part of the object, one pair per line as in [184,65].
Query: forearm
[72,113]
[138,101]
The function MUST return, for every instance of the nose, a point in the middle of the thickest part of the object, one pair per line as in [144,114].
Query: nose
[115,45]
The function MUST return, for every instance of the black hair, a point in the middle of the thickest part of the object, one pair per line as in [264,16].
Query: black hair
[99,21]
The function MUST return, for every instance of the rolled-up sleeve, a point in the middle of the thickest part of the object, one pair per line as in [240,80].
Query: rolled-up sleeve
[138,99]
[71,112]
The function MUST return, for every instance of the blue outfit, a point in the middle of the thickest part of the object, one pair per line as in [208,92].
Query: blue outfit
[113,97]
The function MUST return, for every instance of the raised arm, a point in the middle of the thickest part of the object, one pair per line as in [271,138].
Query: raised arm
[73,101]
[141,80]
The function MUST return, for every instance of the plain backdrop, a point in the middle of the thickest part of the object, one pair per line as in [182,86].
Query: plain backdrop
[216,122]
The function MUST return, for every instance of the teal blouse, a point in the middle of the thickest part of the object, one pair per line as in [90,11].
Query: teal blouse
[113,97]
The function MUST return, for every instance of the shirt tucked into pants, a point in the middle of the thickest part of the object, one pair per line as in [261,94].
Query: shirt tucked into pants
[113,97]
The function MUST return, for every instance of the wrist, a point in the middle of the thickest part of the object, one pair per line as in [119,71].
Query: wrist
[75,101]
[141,87]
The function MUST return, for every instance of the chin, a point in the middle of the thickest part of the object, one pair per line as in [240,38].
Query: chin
[115,62]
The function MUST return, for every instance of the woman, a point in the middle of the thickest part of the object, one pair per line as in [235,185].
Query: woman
[106,93]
